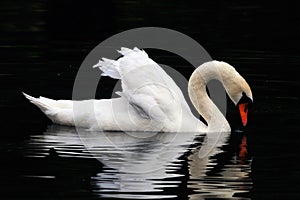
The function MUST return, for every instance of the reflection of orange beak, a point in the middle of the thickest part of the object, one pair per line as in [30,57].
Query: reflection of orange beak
[243,108]
[243,151]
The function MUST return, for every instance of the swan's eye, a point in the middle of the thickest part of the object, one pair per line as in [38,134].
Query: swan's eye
[245,99]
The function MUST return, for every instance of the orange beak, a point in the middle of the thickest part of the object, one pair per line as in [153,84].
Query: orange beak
[243,108]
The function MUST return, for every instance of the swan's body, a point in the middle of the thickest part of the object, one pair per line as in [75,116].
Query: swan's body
[150,100]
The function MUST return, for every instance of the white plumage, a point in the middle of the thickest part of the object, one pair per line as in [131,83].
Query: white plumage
[149,101]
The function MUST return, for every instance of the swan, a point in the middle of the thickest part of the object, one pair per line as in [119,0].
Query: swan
[150,100]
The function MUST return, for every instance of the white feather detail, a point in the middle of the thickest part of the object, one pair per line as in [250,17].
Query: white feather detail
[109,68]
[132,59]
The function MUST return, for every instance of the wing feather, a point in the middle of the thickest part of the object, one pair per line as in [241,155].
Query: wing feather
[146,86]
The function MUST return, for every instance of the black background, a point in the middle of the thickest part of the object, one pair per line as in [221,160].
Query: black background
[42,44]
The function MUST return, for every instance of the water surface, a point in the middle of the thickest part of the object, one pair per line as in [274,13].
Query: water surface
[138,165]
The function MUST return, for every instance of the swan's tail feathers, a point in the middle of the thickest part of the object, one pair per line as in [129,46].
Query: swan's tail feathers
[30,98]
[42,104]
[109,68]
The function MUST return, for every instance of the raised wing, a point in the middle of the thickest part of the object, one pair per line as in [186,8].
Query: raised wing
[146,86]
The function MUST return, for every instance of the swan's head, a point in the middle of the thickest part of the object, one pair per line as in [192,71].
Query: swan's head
[238,91]
[235,85]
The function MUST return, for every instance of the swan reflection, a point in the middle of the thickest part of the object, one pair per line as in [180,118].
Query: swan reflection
[223,174]
[146,165]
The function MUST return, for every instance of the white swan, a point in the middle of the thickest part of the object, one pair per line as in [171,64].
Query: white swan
[150,100]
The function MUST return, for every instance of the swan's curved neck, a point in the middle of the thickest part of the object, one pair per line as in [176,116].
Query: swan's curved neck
[197,91]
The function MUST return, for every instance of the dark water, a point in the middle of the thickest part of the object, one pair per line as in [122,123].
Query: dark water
[42,45]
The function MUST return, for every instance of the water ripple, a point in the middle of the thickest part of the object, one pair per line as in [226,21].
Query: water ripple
[149,167]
